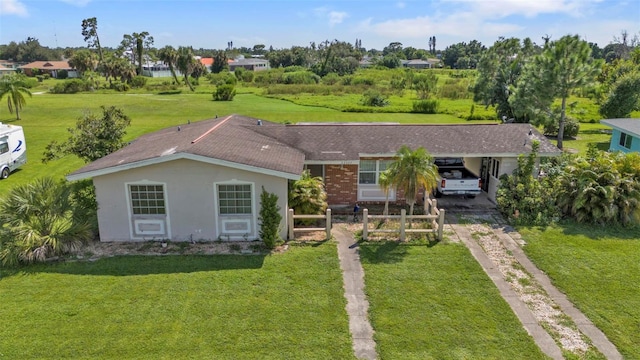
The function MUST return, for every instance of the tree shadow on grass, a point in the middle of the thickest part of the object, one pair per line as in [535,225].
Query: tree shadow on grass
[600,232]
[389,252]
[144,265]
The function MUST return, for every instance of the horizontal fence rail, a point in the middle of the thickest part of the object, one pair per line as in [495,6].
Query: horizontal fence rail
[292,229]
[434,214]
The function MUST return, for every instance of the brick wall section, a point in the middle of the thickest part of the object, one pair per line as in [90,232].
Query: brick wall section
[341,184]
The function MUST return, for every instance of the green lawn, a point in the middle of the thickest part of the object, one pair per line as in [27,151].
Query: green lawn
[599,270]
[284,306]
[437,303]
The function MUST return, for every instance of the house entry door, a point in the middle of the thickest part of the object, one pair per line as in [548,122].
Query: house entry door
[485,173]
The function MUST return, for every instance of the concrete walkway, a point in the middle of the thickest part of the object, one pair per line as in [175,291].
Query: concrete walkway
[598,338]
[357,305]
[526,317]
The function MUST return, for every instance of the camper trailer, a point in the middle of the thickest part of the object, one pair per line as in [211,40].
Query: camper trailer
[13,149]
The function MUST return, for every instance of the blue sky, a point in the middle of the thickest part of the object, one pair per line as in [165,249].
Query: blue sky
[282,23]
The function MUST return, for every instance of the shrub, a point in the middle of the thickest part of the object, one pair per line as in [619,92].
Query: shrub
[247,76]
[373,98]
[138,82]
[425,106]
[40,221]
[62,74]
[300,77]
[120,86]
[224,93]
[270,219]
[361,80]
[307,196]
[571,128]
[70,86]
[294,68]
[525,200]
[331,79]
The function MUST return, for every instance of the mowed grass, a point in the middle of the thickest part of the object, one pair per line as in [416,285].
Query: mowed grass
[285,306]
[437,303]
[599,270]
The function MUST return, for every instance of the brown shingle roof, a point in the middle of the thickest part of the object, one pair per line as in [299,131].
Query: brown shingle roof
[333,142]
[284,148]
[226,139]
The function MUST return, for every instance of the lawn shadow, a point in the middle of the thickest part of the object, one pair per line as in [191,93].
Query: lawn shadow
[600,232]
[389,252]
[131,265]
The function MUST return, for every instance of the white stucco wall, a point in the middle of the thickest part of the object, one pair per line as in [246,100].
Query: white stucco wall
[190,197]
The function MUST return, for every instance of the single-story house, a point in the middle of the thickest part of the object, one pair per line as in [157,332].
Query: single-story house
[249,64]
[49,67]
[625,136]
[203,180]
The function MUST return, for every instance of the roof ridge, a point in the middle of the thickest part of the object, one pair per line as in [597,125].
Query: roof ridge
[211,130]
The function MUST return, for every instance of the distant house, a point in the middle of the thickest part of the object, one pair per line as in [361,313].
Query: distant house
[7,67]
[625,136]
[158,69]
[49,67]
[249,64]
[420,64]
[203,180]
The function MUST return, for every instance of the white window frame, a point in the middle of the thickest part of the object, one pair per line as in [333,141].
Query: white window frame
[625,140]
[162,221]
[222,220]
[372,191]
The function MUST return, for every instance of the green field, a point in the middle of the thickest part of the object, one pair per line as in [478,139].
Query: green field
[286,306]
[599,270]
[437,303]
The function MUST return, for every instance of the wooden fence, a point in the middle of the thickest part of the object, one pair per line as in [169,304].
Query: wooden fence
[292,229]
[434,214]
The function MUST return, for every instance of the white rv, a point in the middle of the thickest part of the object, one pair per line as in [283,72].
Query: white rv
[13,149]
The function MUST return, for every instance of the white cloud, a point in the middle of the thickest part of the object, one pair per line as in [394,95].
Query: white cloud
[13,7]
[503,8]
[401,4]
[336,17]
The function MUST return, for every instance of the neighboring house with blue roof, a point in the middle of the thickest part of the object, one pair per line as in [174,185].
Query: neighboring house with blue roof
[625,136]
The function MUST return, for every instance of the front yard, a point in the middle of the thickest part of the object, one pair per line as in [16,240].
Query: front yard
[174,307]
[599,270]
[436,302]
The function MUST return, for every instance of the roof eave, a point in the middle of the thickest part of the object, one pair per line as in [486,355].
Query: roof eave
[178,156]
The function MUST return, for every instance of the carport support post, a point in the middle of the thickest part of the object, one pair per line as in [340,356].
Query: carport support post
[440,224]
[365,228]
[403,218]
[328,224]
[290,224]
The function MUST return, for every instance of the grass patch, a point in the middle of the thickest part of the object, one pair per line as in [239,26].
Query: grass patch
[173,307]
[437,303]
[599,270]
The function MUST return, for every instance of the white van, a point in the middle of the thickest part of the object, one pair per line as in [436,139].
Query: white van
[13,149]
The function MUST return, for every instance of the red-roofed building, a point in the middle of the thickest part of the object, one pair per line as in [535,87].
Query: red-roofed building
[49,67]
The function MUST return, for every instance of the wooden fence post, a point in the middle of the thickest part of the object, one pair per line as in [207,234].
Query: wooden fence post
[434,206]
[328,223]
[290,224]
[365,229]
[403,218]
[440,224]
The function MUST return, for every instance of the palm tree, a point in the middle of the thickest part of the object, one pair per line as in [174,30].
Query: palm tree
[386,182]
[40,222]
[186,64]
[307,195]
[411,171]
[13,86]
[169,56]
